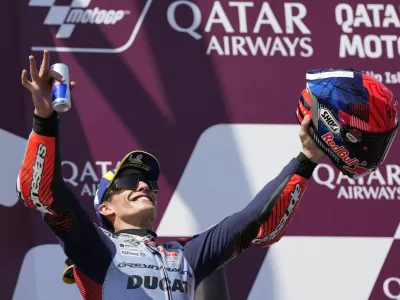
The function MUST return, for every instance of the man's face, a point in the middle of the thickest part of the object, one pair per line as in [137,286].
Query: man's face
[132,205]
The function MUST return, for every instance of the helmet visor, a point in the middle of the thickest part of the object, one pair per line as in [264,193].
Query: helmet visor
[368,147]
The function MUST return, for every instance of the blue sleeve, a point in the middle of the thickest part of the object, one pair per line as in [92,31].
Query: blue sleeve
[211,249]
[40,185]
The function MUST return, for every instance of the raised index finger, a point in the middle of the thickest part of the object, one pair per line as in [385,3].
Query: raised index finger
[44,68]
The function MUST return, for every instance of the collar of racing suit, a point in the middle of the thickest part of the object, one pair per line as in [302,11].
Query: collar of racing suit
[139,232]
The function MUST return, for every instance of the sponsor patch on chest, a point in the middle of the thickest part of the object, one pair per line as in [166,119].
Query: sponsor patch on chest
[134,246]
[133,253]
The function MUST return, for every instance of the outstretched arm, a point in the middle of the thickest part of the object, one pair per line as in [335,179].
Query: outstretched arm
[40,184]
[263,221]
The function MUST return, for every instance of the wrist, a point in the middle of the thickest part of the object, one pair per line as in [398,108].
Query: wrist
[306,166]
[43,114]
[46,126]
[315,158]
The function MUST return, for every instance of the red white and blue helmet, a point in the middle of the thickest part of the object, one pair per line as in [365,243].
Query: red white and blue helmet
[354,118]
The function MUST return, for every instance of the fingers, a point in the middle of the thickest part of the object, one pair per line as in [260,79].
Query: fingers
[54,75]
[306,122]
[72,84]
[44,68]
[24,80]
[304,126]
[33,69]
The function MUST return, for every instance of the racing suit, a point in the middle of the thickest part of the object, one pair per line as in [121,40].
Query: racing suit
[130,264]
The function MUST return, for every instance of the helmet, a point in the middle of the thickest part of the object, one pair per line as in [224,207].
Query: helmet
[354,118]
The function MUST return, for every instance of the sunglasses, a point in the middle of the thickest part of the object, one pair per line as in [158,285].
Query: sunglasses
[131,182]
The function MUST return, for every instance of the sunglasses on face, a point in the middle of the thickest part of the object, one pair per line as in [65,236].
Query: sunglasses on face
[131,182]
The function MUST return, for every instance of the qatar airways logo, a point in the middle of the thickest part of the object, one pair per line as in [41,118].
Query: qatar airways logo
[246,28]
[85,177]
[382,184]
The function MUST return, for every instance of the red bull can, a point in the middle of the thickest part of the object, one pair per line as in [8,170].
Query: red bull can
[60,91]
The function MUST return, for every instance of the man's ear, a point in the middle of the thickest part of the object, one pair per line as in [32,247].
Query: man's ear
[106,209]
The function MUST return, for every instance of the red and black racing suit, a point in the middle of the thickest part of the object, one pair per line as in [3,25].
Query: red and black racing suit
[130,264]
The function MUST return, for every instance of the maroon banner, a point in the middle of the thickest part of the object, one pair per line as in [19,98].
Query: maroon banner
[210,88]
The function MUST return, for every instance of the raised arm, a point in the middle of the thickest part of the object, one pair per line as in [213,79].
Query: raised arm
[40,184]
[262,222]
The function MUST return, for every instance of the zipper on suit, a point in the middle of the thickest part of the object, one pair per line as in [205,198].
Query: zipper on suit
[159,256]
[160,262]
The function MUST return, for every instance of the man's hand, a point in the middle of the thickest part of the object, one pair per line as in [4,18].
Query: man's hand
[310,149]
[40,85]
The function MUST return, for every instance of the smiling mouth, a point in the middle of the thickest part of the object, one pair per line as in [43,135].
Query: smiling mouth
[143,196]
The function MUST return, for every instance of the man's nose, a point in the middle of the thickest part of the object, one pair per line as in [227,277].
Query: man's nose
[143,187]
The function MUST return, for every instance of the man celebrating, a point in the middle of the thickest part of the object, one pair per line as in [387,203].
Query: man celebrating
[120,258]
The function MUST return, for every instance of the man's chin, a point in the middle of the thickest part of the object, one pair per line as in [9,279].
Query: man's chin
[147,210]
[146,204]
[144,214]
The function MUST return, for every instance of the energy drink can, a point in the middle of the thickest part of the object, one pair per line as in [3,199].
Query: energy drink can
[60,91]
